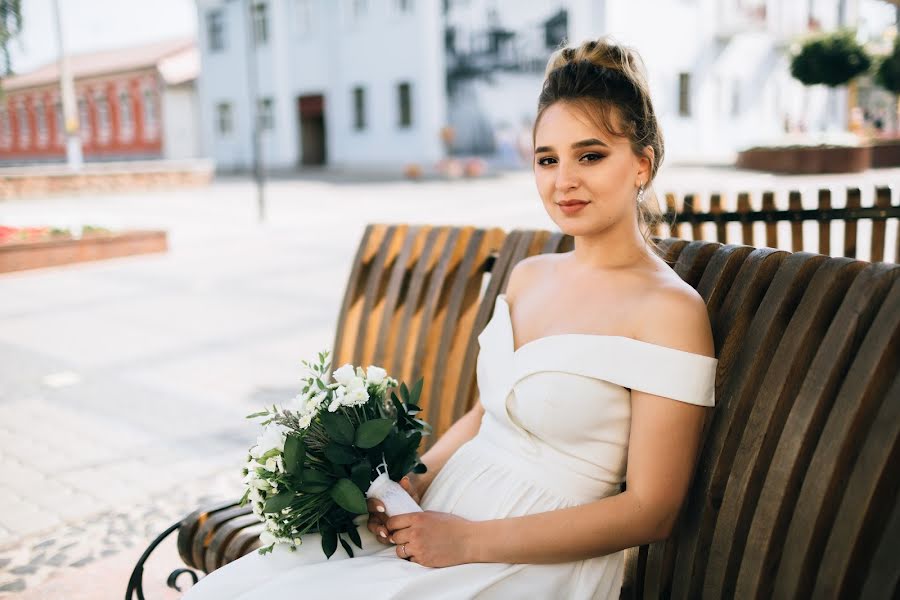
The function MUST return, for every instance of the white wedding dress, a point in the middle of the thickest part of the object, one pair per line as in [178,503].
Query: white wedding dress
[554,435]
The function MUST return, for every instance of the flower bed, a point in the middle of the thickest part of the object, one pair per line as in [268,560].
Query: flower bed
[806,160]
[24,248]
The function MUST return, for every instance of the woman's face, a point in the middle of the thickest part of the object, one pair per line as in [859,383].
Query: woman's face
[587,177]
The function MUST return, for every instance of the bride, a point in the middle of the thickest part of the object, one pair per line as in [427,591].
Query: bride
[594,360]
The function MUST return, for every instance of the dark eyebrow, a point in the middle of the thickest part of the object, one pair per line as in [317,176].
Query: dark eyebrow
[582,144]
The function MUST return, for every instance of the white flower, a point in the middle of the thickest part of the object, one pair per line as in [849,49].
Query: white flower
[356,397]
[375,375]
[344,374]
[260,484]
[356,383]
[272,438]
[315,402]
[275,464]
[305,420]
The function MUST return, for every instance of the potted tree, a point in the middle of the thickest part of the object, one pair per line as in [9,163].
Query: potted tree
[831,59]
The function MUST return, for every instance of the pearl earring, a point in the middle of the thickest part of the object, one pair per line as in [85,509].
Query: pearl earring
[640,194]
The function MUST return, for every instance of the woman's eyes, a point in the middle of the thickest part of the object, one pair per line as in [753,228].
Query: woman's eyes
[588,157]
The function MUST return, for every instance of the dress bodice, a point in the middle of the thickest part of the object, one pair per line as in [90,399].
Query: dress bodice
[564,401]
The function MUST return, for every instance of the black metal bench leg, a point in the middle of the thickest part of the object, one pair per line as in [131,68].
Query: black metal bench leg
[136,582]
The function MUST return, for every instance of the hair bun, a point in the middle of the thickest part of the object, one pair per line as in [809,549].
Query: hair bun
[606,54]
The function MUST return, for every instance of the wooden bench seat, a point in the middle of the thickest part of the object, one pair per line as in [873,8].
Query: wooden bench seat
[797,489]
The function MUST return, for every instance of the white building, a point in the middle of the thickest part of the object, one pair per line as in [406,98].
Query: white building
[364,83]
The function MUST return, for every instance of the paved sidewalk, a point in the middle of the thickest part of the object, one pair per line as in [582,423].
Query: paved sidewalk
[124,383]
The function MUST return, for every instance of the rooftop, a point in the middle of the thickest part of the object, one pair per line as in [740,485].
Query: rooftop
[176,59]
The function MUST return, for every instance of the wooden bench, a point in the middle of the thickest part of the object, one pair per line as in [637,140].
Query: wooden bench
[797,490]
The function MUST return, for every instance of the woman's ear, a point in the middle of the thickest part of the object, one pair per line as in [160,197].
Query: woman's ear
[645,164]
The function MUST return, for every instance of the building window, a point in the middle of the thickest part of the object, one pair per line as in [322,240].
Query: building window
[404,6]
[224,121]
[24,127]
[126,117]
[103,128]
[260,23]
[304,17]
[40,120]
[355,11]
[215,30]
[684,94]
[265,113]
[359,108]
[84,118]
[151,114]
[5,129]
[404,101]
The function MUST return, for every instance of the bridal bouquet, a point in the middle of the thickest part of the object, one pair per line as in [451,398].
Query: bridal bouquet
[317,457]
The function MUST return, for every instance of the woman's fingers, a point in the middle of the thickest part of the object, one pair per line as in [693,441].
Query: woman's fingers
[406,484]
[375,506]
[378,530]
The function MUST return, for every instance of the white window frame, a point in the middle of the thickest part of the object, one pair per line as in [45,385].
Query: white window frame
[304,17]
[23,124]
[104,121]
[125,107]
[259,12]
[265,113]
[5,128]
[215,30]
[150,112]
[399,95]
[224,119]
[41,127]
[84,118]
[358,108]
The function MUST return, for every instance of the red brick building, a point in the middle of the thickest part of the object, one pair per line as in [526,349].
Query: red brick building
[126,99]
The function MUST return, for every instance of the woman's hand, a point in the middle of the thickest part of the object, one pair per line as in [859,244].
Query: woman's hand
[377,516]
[432,539]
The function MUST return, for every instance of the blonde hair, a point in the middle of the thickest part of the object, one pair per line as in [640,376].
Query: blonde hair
[607,82]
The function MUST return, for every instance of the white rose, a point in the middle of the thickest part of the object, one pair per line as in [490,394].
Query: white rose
[356,383]
[272,438]
[260,484]
[335,404]
[275,464]
[375,375]
[356,397]
[344,374]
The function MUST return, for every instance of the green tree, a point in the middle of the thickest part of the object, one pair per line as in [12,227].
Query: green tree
[10,26]
[888,76]
[832,59]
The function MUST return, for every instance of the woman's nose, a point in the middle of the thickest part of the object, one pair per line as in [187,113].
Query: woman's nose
[566,177]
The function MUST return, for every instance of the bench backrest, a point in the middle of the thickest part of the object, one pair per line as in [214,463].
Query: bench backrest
[797,488]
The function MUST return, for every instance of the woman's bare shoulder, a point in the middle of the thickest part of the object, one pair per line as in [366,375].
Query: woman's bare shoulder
[528,270]
[674,314]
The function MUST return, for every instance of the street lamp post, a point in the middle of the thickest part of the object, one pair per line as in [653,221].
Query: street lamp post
[70,110]
[254,113]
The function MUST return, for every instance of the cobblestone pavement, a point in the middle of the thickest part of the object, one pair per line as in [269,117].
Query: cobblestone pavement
[124,383]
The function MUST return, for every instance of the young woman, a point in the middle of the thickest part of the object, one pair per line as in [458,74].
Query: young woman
[595,360]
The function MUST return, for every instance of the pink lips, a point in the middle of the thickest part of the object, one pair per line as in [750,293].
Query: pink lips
[570,207]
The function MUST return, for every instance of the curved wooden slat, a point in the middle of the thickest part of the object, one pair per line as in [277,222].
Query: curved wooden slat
[188,531]
[215,551]
[693,260]
[790,360]
[242,543]
[373,294]
[351,306]
[730,330]
[860,397]
[882,577]
[862,520]
[466,386]
[395,294]
[801,432]
[207,530]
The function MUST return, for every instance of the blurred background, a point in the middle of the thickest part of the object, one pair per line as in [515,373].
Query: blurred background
[183,185]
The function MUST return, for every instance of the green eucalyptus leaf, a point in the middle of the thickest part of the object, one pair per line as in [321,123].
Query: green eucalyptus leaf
[360,475]
[420,468]
[416,391]
[316,476]
[404,392]
[371,433]
[294,454]
[278,501]
[329,538]
[340,454]
[338,427]
[349,497]
[313,488]
[346,546]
